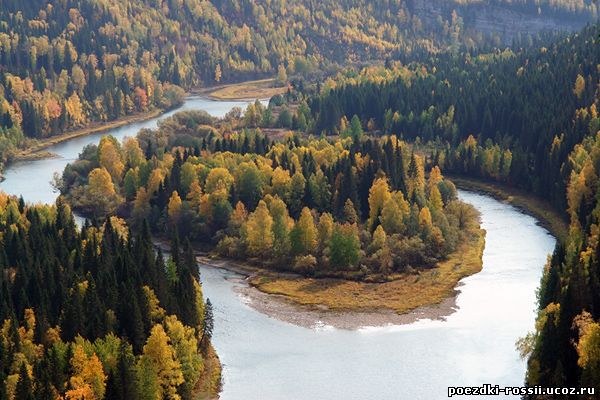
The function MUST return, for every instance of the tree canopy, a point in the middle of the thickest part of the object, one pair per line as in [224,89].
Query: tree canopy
[92,313]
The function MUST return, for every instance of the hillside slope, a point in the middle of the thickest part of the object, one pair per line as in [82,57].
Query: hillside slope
[64,64]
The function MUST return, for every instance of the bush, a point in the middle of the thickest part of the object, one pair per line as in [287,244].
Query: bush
[305,265]
[409,252]
[230,247]
[276,101]
[285,119]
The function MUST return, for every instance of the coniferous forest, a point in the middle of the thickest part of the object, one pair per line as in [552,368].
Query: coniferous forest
[342,177]
[97,313]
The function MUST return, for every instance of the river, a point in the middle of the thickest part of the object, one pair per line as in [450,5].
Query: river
[31,179]
[265,358]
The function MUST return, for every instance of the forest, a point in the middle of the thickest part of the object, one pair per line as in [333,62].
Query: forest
[528,118]
[491,97]
[353,207]
[340,177]
[467,114]
[97,313]
[67,64]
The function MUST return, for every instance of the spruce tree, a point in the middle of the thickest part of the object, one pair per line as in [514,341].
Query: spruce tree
[208,324]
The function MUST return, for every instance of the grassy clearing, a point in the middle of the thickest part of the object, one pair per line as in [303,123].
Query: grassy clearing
[540,209]
[210,382]
[251,90]
[401,295]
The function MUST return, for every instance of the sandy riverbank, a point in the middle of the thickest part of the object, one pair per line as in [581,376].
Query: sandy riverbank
[316,316]
[347,304]
[242,91]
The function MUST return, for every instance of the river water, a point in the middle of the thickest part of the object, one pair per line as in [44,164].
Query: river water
[265,358]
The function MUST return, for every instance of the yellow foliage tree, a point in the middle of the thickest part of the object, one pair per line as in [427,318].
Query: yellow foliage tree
[101,196]
[89,380]
[425,218]
[174,207]
[238,216]
[588,345]
[109,157]
[304,234]
[379,194]
[379,238]
[259,230]
[392,218]
[194,196]
[281,183]
[435,177]
[132,152]
[184,342]
[324,229]
[74,110]
[159,361]
[157,313]
[100,182]
[154,181]
[218,178]
[26,336]
[579,86]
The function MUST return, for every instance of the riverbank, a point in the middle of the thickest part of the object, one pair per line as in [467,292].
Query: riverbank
[548,217]
[344,304]
[209,384]
[36,152]
[248,90]
[242,91]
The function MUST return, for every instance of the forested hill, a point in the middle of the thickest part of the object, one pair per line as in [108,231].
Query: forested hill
[538,103]
[509,20]
[64,64]
[529,119]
